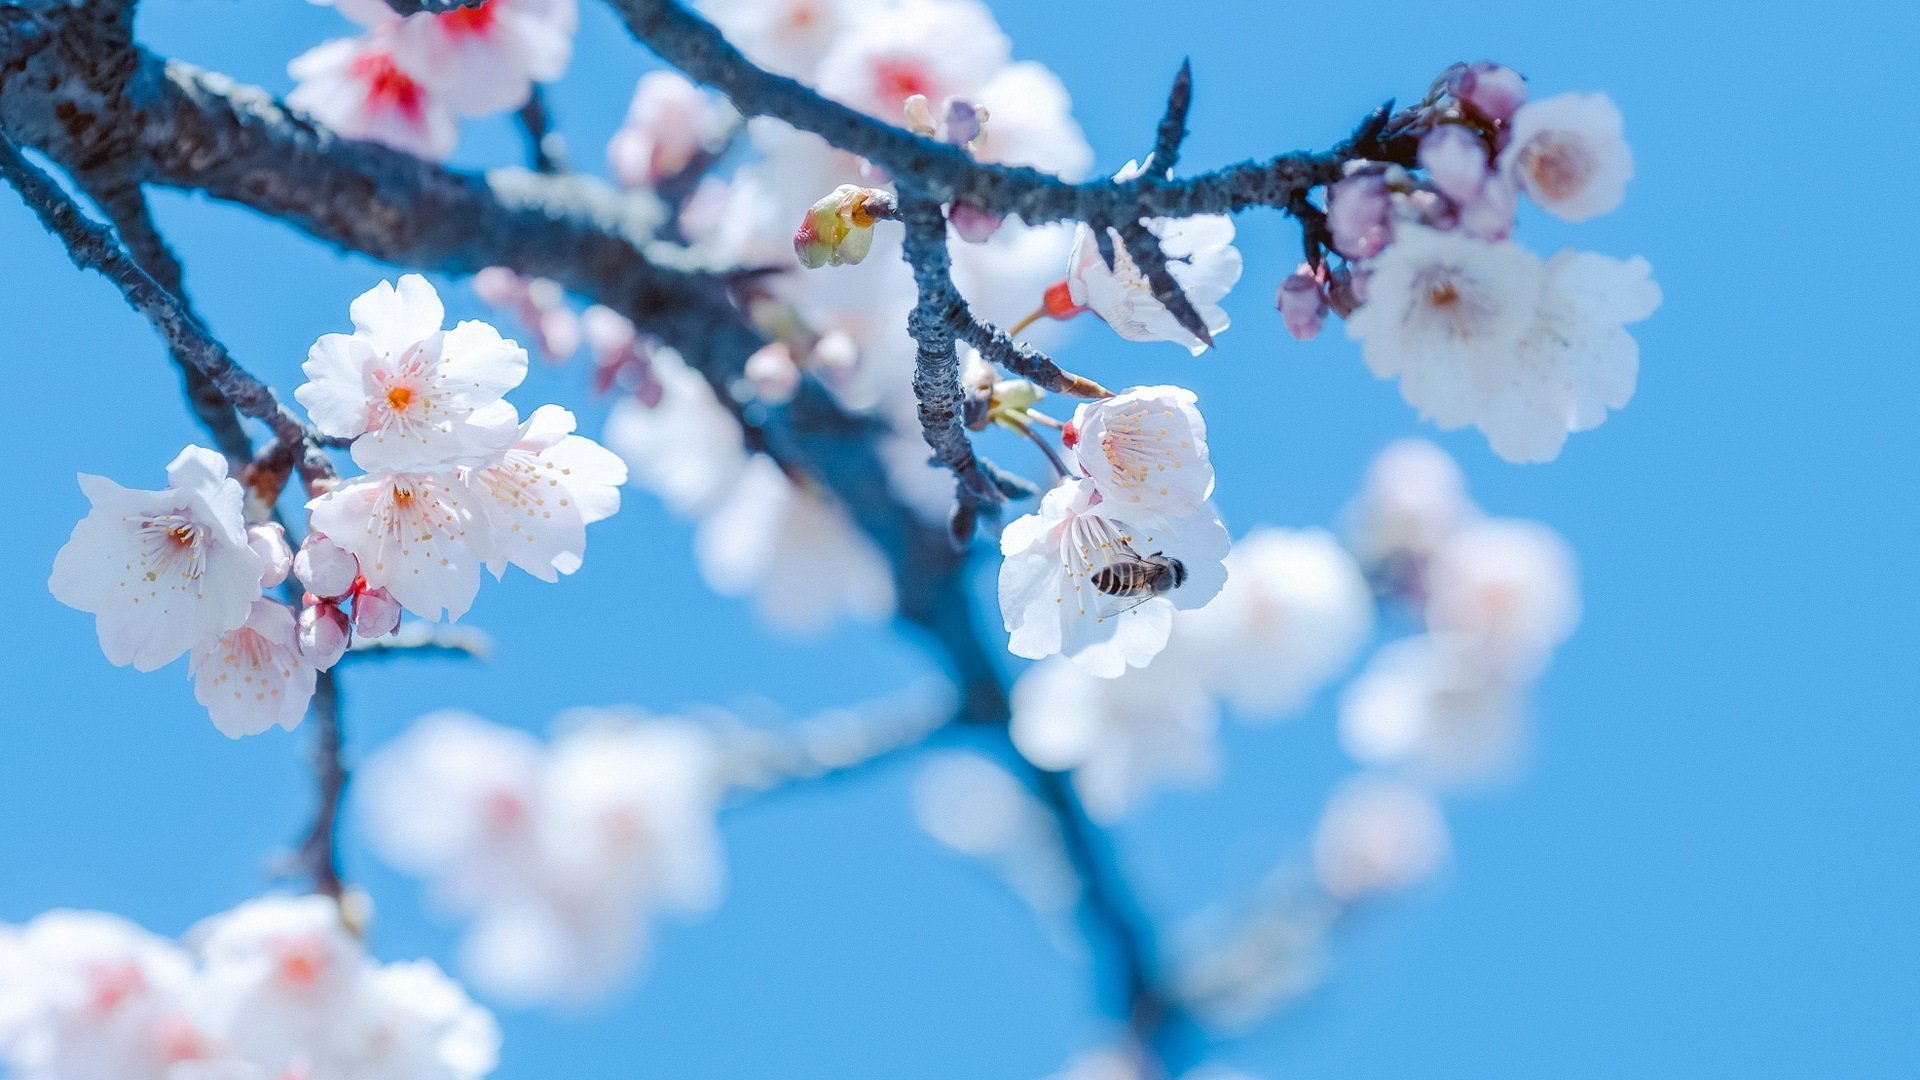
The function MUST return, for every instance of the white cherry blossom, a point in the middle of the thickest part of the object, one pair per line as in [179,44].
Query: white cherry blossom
[1377,836]
[413,1023]
[1433,705]
[1145,450]
[799,555]
[1121,737]
[1413,498]
[255,675]
[1569,155]
[1293,615]
[936,48]
[1444,315]
[409,394]
[1576,361]
[1048,595]
[686,448]
[356,87]
[421,536]
[1200,255]
[161,571]
[1030,122]
[542,494]
[786,36]
[1509,588]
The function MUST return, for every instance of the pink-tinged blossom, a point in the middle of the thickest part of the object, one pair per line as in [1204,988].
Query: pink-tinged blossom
[1569,155]
[1508,588]
[274,990]
[280,976]
[375,613]
[1435,706]
[686,448]
[772,375]
[1378,836]
[1201,257]
[1048,595]
[324,633]
[254,676]
[485,59]
[421,536]
[542,494]
[1302,302]
[269,541]
[1360,215]
[409,394]
[1489,214]
[161,571]
[797,553]
[538,304]
[936,48]
[620,360]
[560,854]
[1293,616]
[324,568]
[670,124]
[1145,451]
[356,87]
[1120,737]
[1456,161]
[89,996]
[1444,315]
[1490,91]
[1576,361]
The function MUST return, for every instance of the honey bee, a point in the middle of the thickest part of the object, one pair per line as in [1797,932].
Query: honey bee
[1133,579]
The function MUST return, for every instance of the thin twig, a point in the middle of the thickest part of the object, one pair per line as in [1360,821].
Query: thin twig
[546,147]
[1143,247]
[1173,123]
[93,247]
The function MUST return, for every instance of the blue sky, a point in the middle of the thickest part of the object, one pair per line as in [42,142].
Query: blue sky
[1708,868]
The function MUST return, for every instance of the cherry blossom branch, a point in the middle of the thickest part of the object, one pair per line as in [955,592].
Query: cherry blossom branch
[1110,913]
[93,247]
[936,372]
[1173,122]
[834,744]
[320,851]
[944,172]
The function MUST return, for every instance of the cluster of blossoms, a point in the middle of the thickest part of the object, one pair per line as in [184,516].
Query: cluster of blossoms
[1478,330]
[276,989]
[404,81]
[559,853]
[456,482]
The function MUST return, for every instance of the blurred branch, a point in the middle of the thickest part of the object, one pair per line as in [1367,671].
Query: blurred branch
[424,639]
[834,744]
[320,851]
[546,148]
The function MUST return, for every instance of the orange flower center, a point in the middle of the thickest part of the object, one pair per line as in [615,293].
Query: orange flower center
[399,398]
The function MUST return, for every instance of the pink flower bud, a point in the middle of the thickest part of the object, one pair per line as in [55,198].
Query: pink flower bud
[965,122]
[323,632]
[1360,215]
[498,286]
[975,226]
[375,613]
[1489,216]
[838,230]
[1490,91]
[1456,161]
[1302,304]
[1058,301]
[326,569]
[774,376]
[269,541]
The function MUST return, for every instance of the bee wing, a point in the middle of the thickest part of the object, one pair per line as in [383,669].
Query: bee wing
[1108,606]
